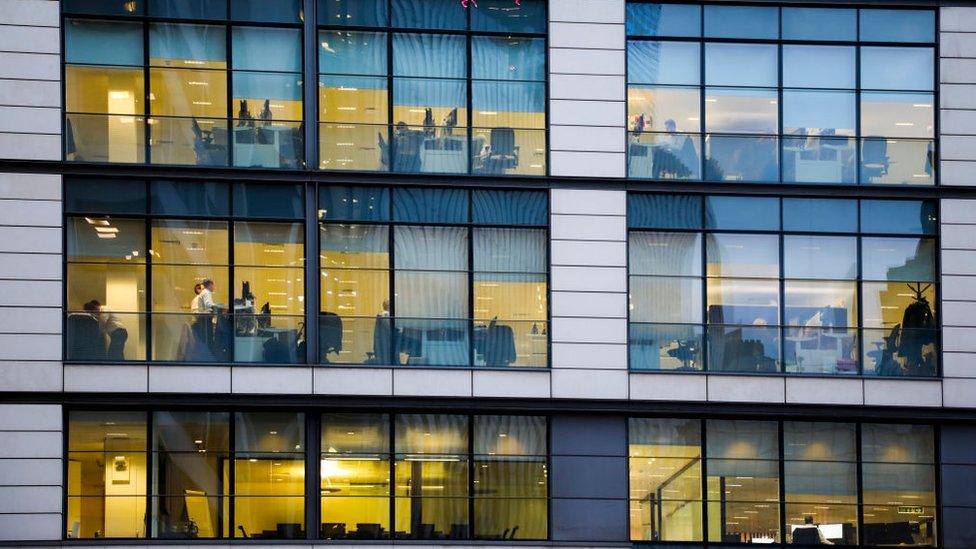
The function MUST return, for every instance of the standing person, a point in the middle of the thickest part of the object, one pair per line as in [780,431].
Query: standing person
[195,302]
[111,327]
[202,307]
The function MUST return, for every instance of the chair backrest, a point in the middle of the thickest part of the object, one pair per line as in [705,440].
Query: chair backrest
[806,535]
[875,150]
[85,341]
[502,141]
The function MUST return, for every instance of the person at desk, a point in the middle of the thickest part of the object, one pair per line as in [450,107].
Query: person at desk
[675,154]
[202,307]
[111,327]
[809,534]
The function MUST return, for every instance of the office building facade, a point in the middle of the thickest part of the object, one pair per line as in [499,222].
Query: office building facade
[510,272]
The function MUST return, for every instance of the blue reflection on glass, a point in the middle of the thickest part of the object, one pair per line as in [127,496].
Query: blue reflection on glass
[741,65]
[354,204]
[666,347]
[365,13]
[820,257]
[819,113]
[433,55]
[897,161]
[181,9]
[820,215]
[664,211]
[898,217]
[740,158]
[102,43]
[663,19]
[429,14]
[741,22]
[510,207]
[897,25]
[430,205]
[508,58]
[897,68]
[508,16]
[269,200]
[651,62]
[189,198]
[352,52]
[256,48]
[742,213]
[819,24]
[282,11]
[819,67]
[169,41]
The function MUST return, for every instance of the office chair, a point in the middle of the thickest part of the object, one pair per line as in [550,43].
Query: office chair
[85,340]
[503,152]
[330,334]
[874,158]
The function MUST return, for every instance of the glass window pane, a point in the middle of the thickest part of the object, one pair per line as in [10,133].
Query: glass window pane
[106,240]
[665,299]
[354,246]
[742,439]
[104,196]
[193,93]
[819,159]
[429,14]
[191,432]
[430,205]
[897,68]
[266,49]
[897,161]
[664,109]
[269,432]
[432,295]
[269,244]
[508,104]
[91,431]
[663,19]
[819,113]
[365,13]
[820,215]
[354,203]
[651,62]
[189,198]
[742,255]
[898,216]
[907,310]
[889,443]
[739,158]
[897,115]
[665,254]
[102,42]
[502,16]
[179,242]
[819,441]
[267,97]
[352,52]
[268,200]
[440,248]
[823,257]
[818,67]
[747,302]
[499,58]
[429,55]
[665,155]
[344,146]
[664,211]
[509,250]
[189,9]
[510,435]
[187,46]
[355,433]
[819,303]
[819,24]
[107,90]
[427,104]
[287,11]
[432,434]
[746,349]
[898,25]
[741,65]
[510,208]
[741,22]
[666,346]
[908,259]
[742,213]
[100,7]
[741,110]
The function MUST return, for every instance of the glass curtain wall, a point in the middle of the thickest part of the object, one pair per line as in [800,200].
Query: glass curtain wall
[214,83]
[184,271]
[794,482]
[433,87]
[210,475]
[434,277]
[801,285]
[768,94]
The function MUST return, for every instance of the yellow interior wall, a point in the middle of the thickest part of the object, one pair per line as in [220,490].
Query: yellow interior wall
[280,481]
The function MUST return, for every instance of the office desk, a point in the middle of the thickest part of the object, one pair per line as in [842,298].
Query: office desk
[817,170]
[248,152]
[444,155]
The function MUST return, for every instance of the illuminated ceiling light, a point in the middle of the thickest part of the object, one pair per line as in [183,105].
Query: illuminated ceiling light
[105,230]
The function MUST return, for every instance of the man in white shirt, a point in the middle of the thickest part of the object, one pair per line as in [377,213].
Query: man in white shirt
[195,302]
[202,306]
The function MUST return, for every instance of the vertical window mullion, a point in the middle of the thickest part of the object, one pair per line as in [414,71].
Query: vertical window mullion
[146,95]
[230,492]
[860,483]
[471,471]
[229,76]
[148,519]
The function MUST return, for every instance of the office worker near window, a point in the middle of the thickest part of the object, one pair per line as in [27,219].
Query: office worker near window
[195,302]
[202,306]
[110,327]
[382,331]
[809,534]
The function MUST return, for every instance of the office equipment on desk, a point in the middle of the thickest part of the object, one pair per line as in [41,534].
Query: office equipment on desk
[368,530]
[437,346]
[443,155]
[260,146]
[820,164]
[503,153]
[332,530]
